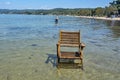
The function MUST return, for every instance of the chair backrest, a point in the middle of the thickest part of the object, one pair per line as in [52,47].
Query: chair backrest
[69,38]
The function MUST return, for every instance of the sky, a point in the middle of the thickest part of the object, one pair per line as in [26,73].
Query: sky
[50,4]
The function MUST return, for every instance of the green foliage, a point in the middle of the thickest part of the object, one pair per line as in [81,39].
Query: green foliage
[99,11]
[85,12]
[116,6]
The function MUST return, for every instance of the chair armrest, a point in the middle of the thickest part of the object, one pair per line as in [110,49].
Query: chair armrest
[82,46]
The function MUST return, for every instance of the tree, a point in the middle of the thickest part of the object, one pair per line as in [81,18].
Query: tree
[109,11]
[116,5]
[85,12]
[99,11]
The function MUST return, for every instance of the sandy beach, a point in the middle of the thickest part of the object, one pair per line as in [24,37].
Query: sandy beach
[103,18]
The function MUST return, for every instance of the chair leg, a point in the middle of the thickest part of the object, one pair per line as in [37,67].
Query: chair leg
[58,60]
[82,64]
[57,63]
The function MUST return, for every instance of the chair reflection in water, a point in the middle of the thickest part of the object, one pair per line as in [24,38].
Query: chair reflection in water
[70,39]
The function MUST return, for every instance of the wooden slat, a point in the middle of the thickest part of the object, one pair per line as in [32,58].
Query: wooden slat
[67,32]
[70,35]
[69,39]
[66,37]
[76,36]
[70,55]
[69,45]
[69,42]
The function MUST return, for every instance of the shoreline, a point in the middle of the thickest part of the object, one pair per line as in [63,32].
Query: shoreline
[101,18]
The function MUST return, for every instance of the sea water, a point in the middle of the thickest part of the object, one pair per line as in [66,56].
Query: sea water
[28,48]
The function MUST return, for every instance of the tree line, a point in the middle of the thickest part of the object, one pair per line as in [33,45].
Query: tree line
[112,9]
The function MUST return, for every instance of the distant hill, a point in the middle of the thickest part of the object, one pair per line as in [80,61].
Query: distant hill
[56,11]
[99,11]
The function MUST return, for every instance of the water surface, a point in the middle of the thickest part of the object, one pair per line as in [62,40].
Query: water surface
[28,48]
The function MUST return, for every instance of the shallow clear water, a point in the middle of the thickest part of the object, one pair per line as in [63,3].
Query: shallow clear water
[28,48]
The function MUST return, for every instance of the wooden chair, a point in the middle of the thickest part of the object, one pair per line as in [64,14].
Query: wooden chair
[70,39]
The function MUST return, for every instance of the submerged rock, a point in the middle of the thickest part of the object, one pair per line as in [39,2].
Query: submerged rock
[34,45]
[29,57]
[36,70]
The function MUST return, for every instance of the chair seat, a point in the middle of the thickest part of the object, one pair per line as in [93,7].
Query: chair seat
[70,55]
